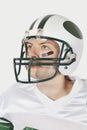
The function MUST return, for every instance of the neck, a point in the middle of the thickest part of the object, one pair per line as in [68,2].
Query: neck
[56,87]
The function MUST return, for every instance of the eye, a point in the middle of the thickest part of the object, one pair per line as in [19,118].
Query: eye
[29,46]
[45,47]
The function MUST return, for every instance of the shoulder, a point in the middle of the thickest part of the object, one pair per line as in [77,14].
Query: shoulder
[83,82]
[82,86]
[16,90]
[7,94]
[80,81]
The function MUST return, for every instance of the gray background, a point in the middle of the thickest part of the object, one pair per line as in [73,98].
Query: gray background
[16,17]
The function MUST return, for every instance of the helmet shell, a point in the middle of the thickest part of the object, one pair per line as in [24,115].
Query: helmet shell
[59,27]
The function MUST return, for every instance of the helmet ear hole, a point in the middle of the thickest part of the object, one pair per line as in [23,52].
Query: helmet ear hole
[73,29]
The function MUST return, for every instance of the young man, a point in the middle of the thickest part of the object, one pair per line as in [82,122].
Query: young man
[51,51]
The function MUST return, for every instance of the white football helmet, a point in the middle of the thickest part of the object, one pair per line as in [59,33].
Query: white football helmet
[62,30]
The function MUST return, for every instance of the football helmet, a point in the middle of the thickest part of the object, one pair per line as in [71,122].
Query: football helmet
[60,29]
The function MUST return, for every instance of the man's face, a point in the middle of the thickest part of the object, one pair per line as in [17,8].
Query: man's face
[42,48]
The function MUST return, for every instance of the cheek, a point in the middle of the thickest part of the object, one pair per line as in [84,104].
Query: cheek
[56,54]
[56,51]
[27,55]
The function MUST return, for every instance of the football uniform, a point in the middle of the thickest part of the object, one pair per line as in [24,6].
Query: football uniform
[25,105]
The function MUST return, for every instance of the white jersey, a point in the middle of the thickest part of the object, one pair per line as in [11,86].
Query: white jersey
[25,106]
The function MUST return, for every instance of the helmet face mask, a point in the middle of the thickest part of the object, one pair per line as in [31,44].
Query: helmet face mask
[48,67]
[28,63]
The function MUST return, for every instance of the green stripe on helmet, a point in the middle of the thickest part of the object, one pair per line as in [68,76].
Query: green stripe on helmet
[43,21]
[32,25]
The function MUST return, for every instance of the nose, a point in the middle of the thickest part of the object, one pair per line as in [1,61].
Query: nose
[34,53]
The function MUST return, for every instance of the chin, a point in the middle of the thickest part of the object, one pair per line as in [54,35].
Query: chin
[41,72]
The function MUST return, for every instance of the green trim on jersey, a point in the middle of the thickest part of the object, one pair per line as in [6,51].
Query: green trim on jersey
[5,124]
[28,128]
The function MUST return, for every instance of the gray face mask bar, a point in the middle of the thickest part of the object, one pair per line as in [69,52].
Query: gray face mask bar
[52,62]
[29,63]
